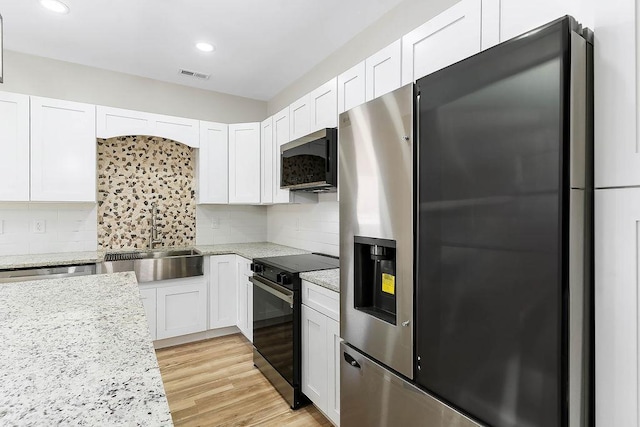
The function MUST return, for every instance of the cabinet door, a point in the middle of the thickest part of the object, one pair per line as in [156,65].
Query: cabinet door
[267,161]
[617,263]
[213,163]
[111,122]
[222,291]
[14,147]
[182,307]
[616,143]
[179,129]
[324,106]
[300,117]
[244,163]
[148,297]
[242,320]
[447,38]
[517,17]
[382,71]
[120,122]
[249,333]
[314,357]
[333,368]
[63,151]
[351,88]
[280,137]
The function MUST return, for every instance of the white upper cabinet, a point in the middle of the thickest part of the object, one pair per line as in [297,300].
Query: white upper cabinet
[63,151]
[516,17]
[244,163]
[447,38]
[616,142]
[351,88]
[324,106]
[300,117]
[14,147]
[213,163]
[267,161]
[382,71]
[280,137]
[118,122]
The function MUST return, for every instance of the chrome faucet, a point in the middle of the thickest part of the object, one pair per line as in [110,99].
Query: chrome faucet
[153,237]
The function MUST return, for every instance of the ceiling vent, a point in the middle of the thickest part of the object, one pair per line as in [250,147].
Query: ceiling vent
[194,74]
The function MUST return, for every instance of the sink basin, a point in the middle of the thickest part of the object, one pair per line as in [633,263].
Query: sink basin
[153,266]
[126,256]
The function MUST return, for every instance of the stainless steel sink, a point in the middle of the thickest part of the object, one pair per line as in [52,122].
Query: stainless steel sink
[153,266]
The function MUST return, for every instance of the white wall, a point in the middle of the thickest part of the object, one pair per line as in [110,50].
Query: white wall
[68,228]
[218,224]
[314,227]
[34,75]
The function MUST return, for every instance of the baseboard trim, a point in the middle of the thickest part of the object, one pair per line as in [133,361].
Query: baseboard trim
[198,336]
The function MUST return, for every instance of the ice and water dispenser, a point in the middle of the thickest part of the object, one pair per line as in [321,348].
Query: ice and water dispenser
[375,277]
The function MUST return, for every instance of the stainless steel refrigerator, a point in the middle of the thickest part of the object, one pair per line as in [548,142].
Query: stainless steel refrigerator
[466,242]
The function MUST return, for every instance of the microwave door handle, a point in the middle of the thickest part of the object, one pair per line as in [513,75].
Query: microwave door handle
[327,164]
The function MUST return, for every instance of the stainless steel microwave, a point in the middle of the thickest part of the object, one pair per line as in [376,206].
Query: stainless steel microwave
[310,163]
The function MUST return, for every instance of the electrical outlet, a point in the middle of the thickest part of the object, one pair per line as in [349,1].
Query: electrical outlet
[38,226]
[215,223]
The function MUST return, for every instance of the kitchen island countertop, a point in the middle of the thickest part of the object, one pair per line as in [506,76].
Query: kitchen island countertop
[77,351]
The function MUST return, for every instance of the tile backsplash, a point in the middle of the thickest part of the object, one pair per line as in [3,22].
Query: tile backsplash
[218,224]
[68,227]
[134,172]
[314,227]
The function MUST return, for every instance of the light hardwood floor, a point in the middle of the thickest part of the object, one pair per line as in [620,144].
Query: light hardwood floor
[214,383]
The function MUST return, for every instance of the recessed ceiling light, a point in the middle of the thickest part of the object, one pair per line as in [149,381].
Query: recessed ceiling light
[205,47]
[55,6]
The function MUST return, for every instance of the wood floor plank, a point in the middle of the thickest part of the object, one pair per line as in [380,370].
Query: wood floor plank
[214,383]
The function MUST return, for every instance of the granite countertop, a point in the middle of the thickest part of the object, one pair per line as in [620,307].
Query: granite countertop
[250,250]
[329,279]
[77,351]
[247,250]
[47,260]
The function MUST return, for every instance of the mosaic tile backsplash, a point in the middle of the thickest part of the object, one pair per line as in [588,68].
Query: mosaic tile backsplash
[134,172]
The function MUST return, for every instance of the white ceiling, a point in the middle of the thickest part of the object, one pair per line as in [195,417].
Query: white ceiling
[262,46]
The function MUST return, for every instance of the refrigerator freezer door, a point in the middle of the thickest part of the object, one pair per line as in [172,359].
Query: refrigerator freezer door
[373,396]
[376,145]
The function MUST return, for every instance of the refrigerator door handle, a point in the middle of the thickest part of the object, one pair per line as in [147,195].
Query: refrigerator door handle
[350,360]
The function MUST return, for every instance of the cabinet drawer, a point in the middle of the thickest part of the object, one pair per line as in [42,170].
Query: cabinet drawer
[321,299]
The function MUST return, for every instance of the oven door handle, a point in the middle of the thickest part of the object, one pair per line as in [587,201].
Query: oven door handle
[276,290]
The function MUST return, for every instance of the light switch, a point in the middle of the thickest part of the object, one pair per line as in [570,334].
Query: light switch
[38,226]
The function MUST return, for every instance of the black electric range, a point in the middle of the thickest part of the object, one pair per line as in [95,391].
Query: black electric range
[284,270]
[277,307]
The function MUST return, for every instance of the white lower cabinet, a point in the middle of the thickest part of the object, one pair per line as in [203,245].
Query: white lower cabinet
[245,298]
[182,307]
[321,349]
[617,263]
[148,297]
[333,370]
[223,280]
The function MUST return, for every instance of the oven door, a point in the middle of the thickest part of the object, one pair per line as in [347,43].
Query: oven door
[273,325]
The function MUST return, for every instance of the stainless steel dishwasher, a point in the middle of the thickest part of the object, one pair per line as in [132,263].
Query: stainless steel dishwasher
[41,273]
